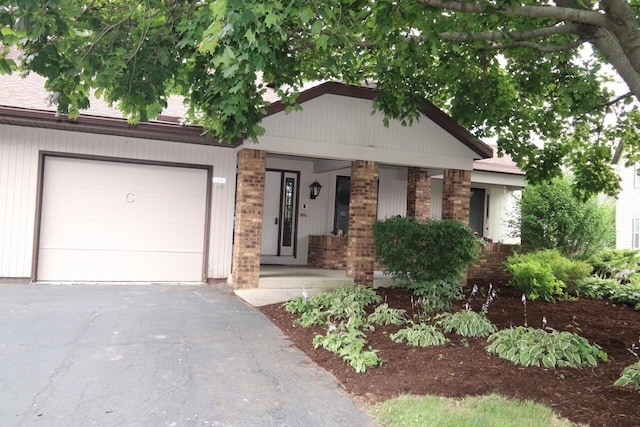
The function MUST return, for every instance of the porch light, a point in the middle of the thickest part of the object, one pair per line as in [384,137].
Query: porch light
[314,190]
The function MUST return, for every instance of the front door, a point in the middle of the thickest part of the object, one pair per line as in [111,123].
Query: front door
[279,222]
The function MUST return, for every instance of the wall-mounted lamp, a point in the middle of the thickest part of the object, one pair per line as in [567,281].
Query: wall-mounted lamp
[314,190]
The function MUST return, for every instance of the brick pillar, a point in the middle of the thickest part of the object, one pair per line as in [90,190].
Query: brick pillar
[456,195]
[363,207]
[419,194]
[248,225]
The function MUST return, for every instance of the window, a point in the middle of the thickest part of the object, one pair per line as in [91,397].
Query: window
[635,236]
[288,210]
[341,211]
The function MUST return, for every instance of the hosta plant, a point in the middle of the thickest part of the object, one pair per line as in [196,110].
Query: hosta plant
[349,343]
[383,315]
[538,347]
[630,377]
[344,303]
[419,335]
[466,323]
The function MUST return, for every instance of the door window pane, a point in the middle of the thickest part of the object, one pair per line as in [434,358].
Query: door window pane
[341,211]
[287,214]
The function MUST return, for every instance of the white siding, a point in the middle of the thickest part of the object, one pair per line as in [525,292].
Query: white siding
[627,207]
[340,127]
[19,154]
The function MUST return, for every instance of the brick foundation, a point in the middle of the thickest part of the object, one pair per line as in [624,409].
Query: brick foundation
[363,208]
[328,252]
[418,194]
[248,225]
[490,266]
[456,195]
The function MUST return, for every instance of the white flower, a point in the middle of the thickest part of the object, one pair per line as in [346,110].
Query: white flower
[524,299]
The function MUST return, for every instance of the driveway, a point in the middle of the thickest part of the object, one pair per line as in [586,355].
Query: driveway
[121,355]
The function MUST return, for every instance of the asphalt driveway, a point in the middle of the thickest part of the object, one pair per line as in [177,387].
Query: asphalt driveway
[120,355]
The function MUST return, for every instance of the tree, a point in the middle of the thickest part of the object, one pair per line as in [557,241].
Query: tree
[514,70]
[551,217]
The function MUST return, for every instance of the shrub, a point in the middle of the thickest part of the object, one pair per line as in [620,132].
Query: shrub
[534,279]
[429,257]
[630,377]
[535,347]
[596,287]
[622,265]
[552,217]
[466,323]
[569,272]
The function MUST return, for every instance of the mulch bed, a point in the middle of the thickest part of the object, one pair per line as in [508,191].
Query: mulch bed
[464,368]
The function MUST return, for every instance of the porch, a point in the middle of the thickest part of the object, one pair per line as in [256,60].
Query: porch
[279,283]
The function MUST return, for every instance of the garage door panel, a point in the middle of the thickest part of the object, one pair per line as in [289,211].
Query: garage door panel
[153,214]
[111,235]
[109,266]
[84,203]
[106,175]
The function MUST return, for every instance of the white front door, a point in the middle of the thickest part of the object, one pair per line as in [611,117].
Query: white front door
[279,222]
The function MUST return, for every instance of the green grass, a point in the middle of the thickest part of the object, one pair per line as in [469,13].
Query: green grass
[484,411]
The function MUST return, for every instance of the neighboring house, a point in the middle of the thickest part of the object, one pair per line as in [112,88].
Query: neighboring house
[627,205]
[96,199]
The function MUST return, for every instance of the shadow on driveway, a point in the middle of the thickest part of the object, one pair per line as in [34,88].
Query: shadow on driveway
[120,355]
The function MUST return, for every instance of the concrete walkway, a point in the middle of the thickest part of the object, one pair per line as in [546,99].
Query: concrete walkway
[127,355]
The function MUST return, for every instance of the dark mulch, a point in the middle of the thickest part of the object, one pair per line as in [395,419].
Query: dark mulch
[464,368]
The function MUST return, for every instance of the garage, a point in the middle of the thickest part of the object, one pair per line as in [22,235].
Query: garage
[110,221]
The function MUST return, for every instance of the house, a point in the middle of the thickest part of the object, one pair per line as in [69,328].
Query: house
[627,204]
[98,200]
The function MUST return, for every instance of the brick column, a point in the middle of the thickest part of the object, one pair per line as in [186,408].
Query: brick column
[419,194]
[363,208]
[248,224]
[456,195]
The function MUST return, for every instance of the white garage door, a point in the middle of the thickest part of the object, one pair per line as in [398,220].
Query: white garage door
[112,221]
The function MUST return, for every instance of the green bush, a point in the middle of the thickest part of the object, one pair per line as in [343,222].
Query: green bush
[535,347]
[596,287]
[534,279]
[551,217]
[622,265]
[630,377]
[429,257]
[569,272]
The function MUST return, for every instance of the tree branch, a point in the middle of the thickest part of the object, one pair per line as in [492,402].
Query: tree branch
[553,12]
[538,47]
[513,35]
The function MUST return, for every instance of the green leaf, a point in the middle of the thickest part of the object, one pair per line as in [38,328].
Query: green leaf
[250,36]
[316,28]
